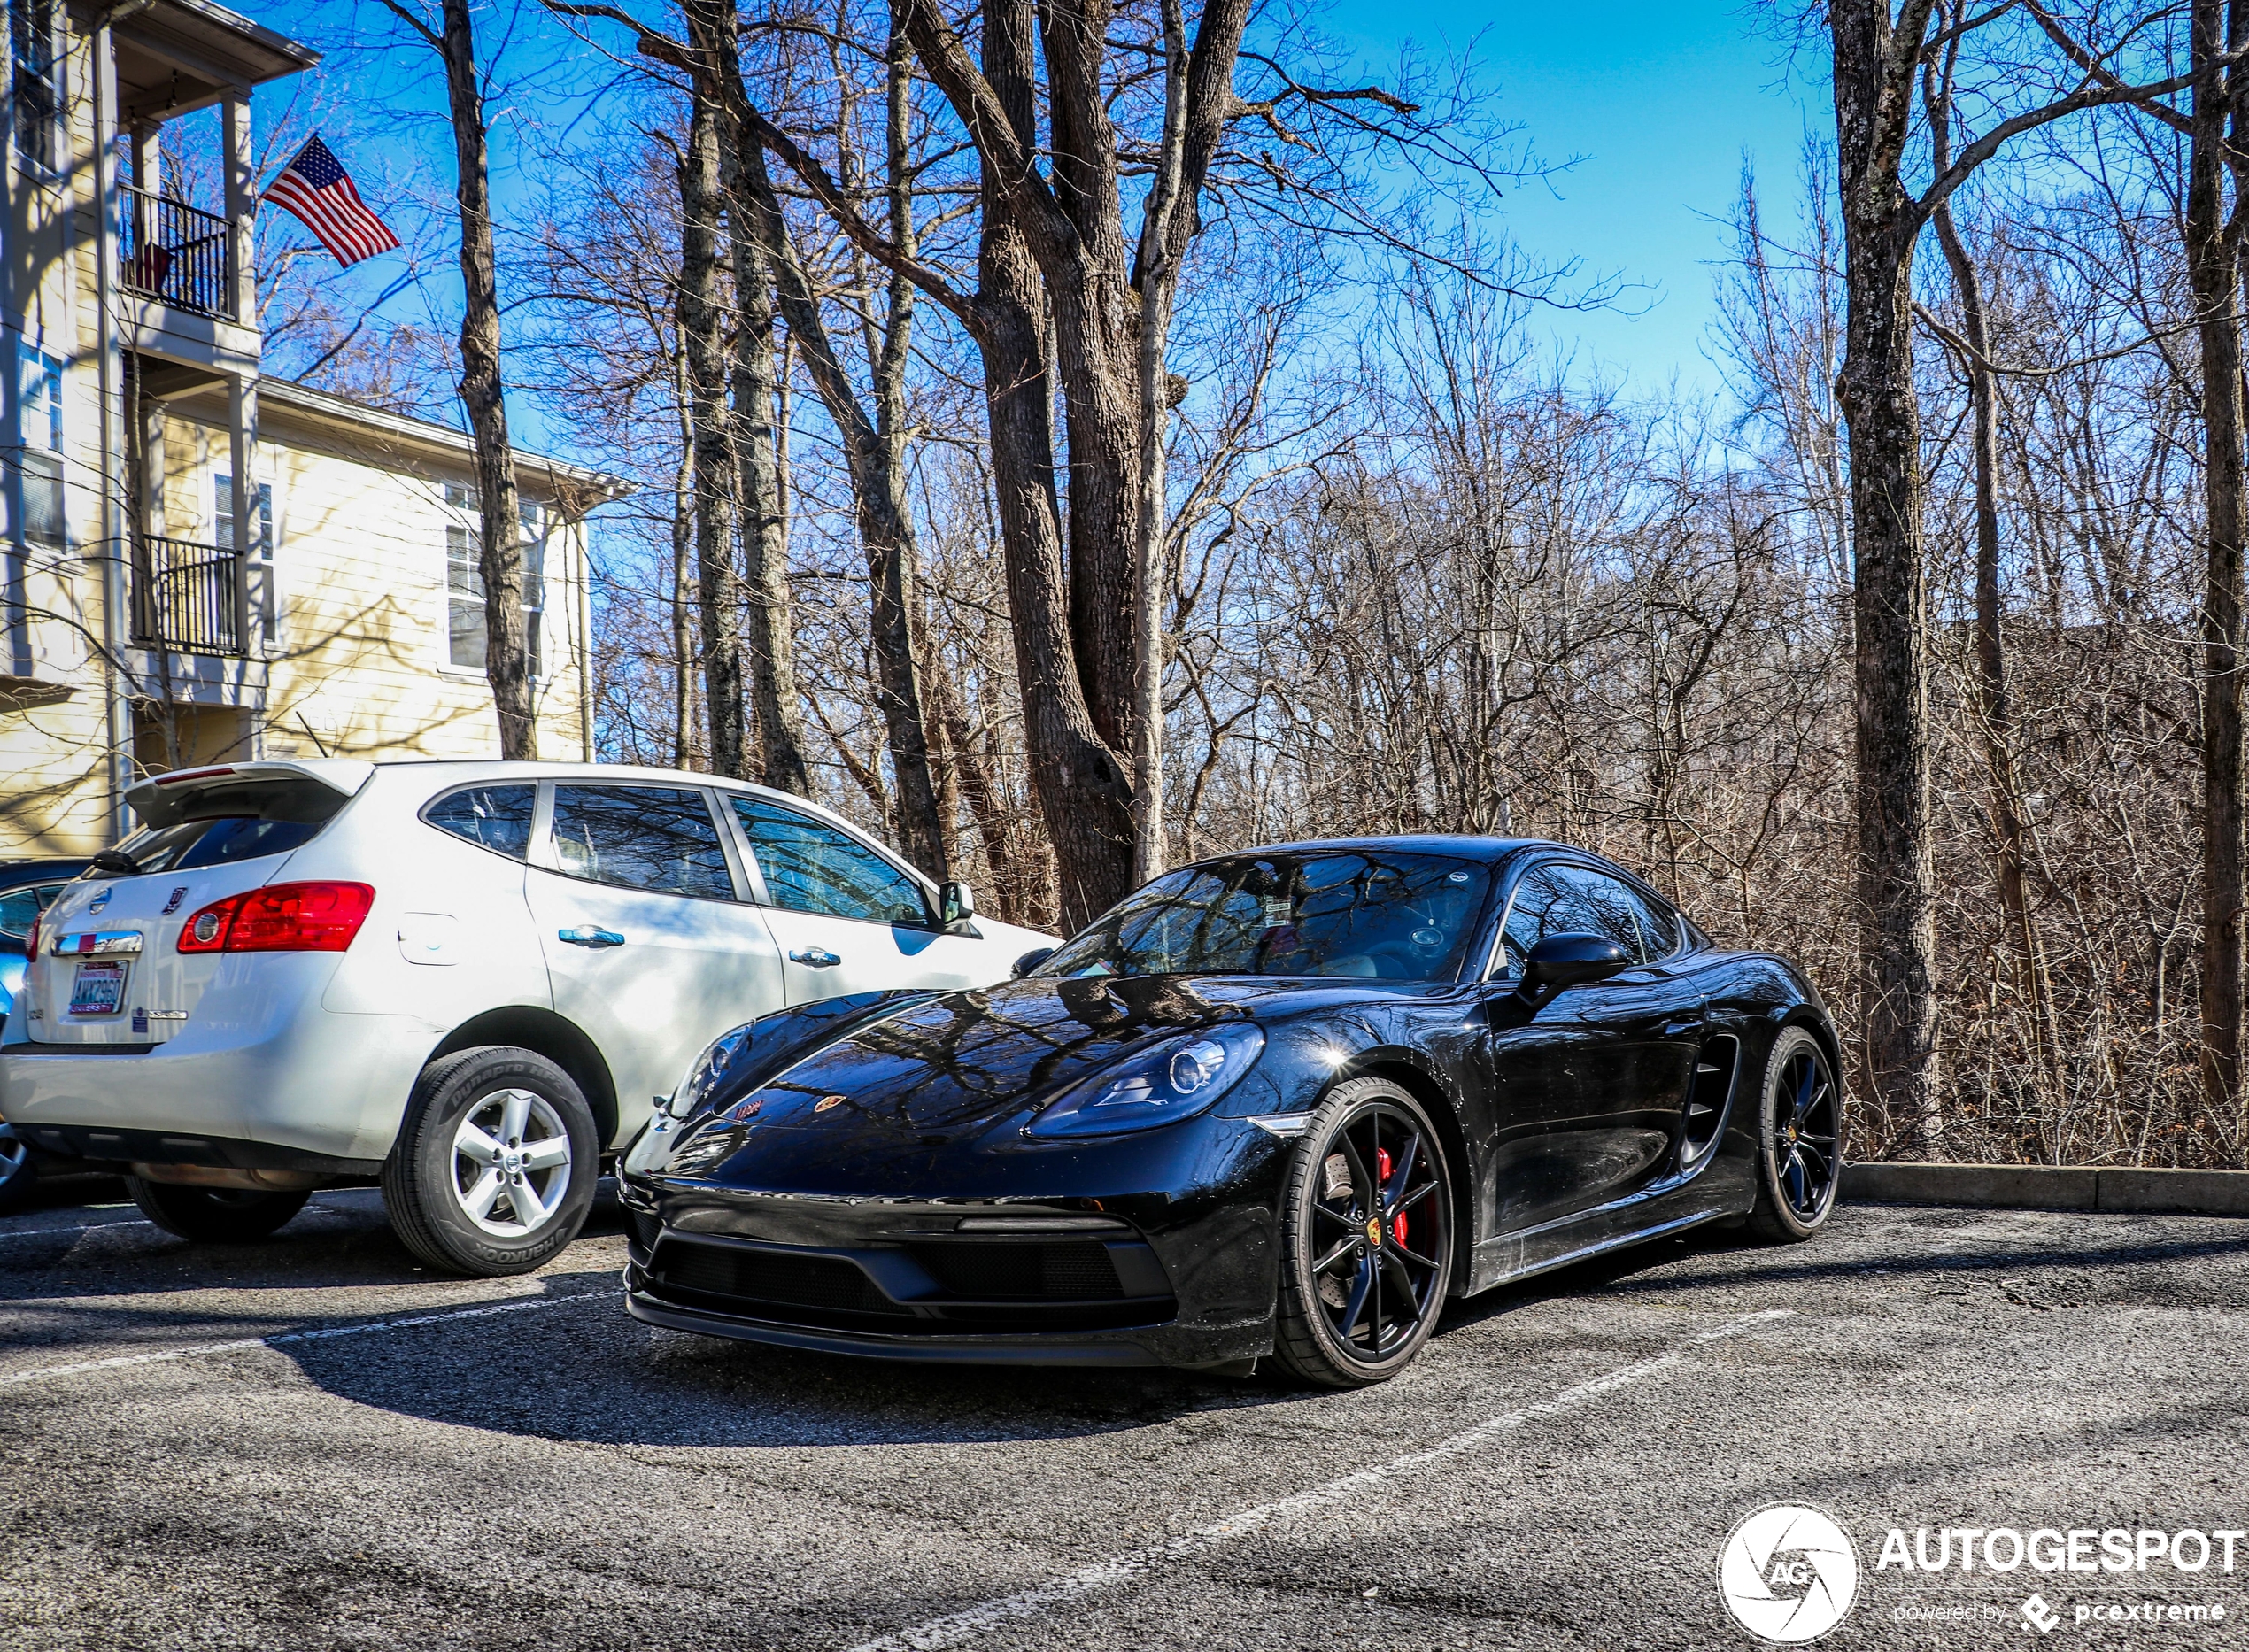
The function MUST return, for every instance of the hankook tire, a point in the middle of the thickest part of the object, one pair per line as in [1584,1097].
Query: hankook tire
[1367,1237]
[494,1167]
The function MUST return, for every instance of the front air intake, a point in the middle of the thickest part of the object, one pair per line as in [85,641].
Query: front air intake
[1077,1271]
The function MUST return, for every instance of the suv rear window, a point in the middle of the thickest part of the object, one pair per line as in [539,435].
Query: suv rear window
[215,842]
[228,820]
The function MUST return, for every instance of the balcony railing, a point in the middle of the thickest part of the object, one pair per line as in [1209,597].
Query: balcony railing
[175,253]
[185,597]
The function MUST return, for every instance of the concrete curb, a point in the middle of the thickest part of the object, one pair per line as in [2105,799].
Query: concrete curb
[2049,1187]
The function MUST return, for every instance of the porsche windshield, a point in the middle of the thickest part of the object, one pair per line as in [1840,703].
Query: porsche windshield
[1372,914]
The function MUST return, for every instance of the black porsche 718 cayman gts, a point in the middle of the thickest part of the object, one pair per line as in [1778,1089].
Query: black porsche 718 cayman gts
[1282,1102]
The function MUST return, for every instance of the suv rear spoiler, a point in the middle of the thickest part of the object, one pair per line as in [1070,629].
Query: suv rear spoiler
[161,800]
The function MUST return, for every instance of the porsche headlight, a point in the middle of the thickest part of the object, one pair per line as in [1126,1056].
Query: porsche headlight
[1177,1079]
[709,1071]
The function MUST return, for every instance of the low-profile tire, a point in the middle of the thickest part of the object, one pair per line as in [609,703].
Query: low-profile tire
[216,1214]
[1799,1139]
[494,1163]
[1366,1254]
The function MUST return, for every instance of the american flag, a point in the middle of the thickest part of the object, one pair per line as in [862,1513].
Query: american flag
[316,189]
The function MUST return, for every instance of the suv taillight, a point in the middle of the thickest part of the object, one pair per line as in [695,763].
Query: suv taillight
[280,918]
[31,941]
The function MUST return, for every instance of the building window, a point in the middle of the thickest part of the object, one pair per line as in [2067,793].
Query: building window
[43,448]
[261,545]
[465,590]
[261,540]
[35,80]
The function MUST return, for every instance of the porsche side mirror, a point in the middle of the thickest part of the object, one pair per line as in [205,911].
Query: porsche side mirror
[956,909]
[1031,960]
[1570,960]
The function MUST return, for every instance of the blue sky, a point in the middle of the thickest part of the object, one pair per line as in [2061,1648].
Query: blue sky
[1662,102]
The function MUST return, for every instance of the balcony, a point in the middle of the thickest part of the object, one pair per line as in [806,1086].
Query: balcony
[177,254]
[187,598]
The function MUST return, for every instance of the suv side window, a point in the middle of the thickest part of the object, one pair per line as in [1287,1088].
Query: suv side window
[810,867]
[1559,898]
[654,837]
[497,818]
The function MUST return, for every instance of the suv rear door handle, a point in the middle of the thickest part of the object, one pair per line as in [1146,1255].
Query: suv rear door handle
[591,934]
[818,957]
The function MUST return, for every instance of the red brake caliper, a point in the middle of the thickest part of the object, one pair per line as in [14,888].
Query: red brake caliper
[1382,1178]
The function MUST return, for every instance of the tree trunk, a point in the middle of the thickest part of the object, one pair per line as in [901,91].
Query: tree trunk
[979,788]
[1896,862]
[2212,248]
[500,538]
[1994,713]
[874,457]
[682,567]
[701,320]
[760,451]
[1158,279]
[894,559]
[1083,792]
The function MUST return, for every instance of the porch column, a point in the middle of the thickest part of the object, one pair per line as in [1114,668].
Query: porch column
[241,447]
[241,206]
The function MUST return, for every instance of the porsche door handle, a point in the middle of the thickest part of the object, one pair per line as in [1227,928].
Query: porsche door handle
[818,957]
[1681,1029]
[591,934]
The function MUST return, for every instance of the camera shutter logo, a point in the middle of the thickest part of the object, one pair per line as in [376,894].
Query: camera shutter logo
[1788,1574]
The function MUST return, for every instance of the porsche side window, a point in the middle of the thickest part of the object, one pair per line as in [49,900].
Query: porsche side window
[654,837]
[1562,900]
[810,867]
[1660,925]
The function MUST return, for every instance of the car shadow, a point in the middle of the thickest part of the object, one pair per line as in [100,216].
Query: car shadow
[341,1241]
[588,1372]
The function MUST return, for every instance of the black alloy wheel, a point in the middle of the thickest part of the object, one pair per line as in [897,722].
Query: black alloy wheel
[1368,1239]
[1800,1141]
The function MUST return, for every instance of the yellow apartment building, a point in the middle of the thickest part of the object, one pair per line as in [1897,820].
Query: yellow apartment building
[202,563]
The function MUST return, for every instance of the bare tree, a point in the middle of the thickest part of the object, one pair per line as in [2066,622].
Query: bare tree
[483,390]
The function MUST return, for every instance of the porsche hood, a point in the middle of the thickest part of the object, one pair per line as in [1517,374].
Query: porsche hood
[959,1068]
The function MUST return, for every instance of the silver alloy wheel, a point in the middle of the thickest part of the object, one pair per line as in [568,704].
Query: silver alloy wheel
[512,1154]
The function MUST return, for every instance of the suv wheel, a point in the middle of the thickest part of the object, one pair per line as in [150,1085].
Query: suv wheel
[18,1174]
[494,1167]
[222,1215]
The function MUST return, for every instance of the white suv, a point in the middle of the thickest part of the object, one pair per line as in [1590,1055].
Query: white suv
[469,979]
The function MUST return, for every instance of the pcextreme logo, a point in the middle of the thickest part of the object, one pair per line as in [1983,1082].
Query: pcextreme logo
[1788,1574]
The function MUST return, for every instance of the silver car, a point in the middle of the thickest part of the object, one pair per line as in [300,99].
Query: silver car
[471,980]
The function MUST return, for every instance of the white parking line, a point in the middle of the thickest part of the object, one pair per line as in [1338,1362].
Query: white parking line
[83,1227]
[963,1625]
[136,1222]
[123,1360]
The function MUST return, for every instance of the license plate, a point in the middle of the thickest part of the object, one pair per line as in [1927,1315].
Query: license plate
[99,990]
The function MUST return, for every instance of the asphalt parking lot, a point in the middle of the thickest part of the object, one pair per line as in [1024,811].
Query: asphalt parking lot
[310,1443]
